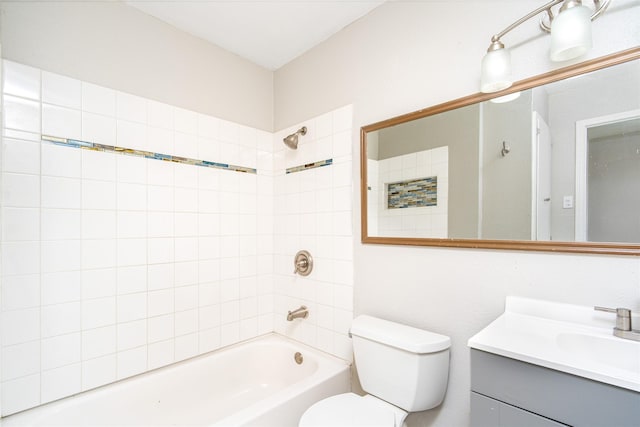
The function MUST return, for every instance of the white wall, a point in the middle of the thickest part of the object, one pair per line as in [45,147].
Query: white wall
[409,55]
[114,45]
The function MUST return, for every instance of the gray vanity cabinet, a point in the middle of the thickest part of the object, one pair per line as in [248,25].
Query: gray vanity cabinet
[508,392]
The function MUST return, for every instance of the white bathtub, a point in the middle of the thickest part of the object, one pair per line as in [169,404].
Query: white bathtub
[255,383]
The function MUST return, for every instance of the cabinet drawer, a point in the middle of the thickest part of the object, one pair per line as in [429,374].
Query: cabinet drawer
[487,412]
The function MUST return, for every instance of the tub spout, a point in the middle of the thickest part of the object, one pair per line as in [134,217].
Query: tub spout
[301,312]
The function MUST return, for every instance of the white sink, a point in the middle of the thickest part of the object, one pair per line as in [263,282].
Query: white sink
[568,338]
[615,352]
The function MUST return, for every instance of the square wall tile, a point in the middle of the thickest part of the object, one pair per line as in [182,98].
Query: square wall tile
[185,145]
[99,100]
[61,255]
[185,121]
[98,194]
[20,360]
[58,192]
[160,328]
[97,372]
[132,334]
[160,140]
[132,307]
[160,276]
[20,80]
[186,322]
[21,114]
[132,279]
[160,302]
[131,169]
[60,319]
[132,197]
[160,224]
[20,156]
[99,129]
[131,135]
[20,258]
[159,115]
[132,252]
[98,165]
[208,126]
[160,250]
[161,354]
[61,122]
[61,90]
[186,200]
[131,108]
[20,224]
[20,292]
[98,312]
[61,161]
[98,342]
[61,350]
[20,326]
[61,382]
[132,362]
[132,224]
[186,273]
[99,224]
[61,224]
[99,283]
[21,393]
[186,346]
[61,287]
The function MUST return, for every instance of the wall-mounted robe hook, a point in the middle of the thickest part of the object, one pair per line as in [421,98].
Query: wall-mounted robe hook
[505,149]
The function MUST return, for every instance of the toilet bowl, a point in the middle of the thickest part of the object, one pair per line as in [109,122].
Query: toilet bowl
[352,410]
[403,369]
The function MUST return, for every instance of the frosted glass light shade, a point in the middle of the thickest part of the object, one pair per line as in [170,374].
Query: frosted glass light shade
[505,98]
[571,33]
[496,71]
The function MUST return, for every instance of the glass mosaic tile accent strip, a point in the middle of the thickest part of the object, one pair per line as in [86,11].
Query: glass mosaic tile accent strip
[415,193]
[318,164]
[146,154]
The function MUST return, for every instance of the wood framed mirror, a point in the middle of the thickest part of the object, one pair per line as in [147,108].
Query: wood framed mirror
[550,164]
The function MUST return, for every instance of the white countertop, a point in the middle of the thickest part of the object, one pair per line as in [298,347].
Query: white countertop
[574,339]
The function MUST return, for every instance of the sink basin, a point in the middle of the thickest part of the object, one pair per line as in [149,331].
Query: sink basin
[568,338]
[613,352]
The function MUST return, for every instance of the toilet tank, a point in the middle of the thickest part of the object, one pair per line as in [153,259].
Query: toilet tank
[405,366]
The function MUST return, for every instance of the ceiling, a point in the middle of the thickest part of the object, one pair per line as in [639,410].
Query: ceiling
[269,33]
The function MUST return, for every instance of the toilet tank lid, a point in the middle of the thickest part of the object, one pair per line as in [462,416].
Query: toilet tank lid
[399,336]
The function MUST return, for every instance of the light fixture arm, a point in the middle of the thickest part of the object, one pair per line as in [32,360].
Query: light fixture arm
[600,7]
[547,7]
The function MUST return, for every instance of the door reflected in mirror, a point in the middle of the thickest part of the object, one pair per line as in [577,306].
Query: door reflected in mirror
[554,162]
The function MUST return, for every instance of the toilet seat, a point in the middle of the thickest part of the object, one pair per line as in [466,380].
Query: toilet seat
[350,410]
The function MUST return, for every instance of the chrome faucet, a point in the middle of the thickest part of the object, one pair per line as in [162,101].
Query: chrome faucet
[623,327]
[301,312]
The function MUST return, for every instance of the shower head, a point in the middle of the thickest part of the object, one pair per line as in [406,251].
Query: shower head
[291,141]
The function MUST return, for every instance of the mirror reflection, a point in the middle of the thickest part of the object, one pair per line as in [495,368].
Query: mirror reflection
[558,162]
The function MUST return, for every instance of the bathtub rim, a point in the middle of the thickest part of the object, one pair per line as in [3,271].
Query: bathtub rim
[63,403]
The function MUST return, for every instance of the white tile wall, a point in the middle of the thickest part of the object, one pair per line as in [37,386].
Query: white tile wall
[430,221]
[312,211]
[113,265]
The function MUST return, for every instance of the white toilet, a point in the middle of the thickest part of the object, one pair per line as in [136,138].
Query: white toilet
[403,369]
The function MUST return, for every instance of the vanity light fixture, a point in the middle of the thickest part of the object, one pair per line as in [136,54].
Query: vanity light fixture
[570,29]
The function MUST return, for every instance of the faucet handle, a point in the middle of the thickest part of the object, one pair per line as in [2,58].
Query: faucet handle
[623,317]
